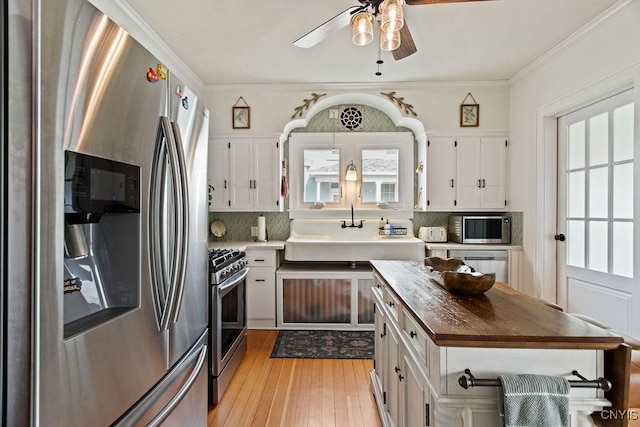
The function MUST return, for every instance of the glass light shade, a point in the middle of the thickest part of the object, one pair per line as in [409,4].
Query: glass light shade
[391,15]
[389,40]
[362,25]
[352,173]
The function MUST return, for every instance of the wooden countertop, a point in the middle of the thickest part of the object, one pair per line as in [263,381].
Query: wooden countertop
[501,317]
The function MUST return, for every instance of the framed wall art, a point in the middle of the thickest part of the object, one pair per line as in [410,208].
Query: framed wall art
[469,112]
[241,115]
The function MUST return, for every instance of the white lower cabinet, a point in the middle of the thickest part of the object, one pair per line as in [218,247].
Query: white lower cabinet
[400,380]
[261,288]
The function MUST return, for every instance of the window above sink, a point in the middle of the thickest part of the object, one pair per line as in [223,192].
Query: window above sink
[384,165]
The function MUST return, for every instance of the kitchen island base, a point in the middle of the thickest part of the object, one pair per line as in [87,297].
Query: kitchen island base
[427,338]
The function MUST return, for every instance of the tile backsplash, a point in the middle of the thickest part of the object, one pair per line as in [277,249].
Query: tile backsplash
[239,224]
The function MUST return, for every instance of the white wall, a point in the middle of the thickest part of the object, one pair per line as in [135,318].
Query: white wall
[592,64]
[437,104]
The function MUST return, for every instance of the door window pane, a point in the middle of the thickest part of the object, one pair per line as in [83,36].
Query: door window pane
[576,145]
[598,193]
[623,191]
[576,195]
[321,176]
[575,243]
[623,133]
[599,139]
[598,246]
[380,171]
[623,249]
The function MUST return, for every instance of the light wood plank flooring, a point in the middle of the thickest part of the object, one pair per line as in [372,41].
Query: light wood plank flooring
[295,392]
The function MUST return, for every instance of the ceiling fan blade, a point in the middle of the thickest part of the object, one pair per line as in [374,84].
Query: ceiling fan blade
[419,2]
[407,46]
[323,31]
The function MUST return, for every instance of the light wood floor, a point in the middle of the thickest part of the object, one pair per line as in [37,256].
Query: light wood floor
[295,392]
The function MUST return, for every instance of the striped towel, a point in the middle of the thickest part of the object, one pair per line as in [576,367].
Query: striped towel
[535,400]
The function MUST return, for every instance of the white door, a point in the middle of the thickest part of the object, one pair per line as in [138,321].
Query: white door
[218,174]
[468,178]
[241,174]
[441,173]
[266,172]
[492,172]
[596,211]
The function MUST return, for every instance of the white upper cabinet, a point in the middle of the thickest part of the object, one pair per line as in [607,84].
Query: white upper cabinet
[245,174]
[441,173]
[218,174]
[466,173]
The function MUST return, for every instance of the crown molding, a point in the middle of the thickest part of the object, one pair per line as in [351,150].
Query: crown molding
[588,28]
[123,14]
[361,87]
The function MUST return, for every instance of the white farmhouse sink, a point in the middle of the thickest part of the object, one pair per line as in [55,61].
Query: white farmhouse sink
[326,240]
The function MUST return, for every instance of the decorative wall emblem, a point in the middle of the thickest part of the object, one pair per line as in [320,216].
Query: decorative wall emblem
[351,118]
[300,109]
[408,108]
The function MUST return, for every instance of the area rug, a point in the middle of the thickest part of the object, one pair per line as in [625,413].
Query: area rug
[324,345]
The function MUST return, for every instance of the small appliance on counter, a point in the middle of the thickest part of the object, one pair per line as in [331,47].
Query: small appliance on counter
[480,229]
[433,234]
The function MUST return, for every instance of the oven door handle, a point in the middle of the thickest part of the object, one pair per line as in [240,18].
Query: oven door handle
[233,281]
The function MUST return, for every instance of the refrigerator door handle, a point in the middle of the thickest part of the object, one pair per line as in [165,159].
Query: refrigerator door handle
[160,276]
[178,242]
[183,225]
[175,400]
[146,407]
[164,272]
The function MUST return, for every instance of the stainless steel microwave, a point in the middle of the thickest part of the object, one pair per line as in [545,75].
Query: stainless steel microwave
[479,229]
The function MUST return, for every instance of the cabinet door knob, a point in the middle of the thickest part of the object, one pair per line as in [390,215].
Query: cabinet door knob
[400,377]
[391,303]
[559,237]
[413,334]
[397,369]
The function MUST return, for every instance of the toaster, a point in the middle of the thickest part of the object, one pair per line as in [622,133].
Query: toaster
[433,234]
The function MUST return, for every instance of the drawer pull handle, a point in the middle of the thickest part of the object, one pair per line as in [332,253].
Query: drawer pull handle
[260,280]
[259,260]
[413,334]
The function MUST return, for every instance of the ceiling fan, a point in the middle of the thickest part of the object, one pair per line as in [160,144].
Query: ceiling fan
[394,33]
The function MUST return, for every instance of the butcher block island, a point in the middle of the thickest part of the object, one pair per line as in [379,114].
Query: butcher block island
[431,345]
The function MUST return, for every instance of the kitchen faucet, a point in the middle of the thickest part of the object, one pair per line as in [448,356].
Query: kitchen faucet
[353,224]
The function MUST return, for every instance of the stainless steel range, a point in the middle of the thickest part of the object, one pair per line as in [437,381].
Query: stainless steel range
[227,317]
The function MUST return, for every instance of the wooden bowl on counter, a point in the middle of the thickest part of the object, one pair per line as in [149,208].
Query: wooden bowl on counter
[457,277]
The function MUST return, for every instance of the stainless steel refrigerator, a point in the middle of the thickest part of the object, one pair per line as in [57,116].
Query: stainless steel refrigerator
[104,226]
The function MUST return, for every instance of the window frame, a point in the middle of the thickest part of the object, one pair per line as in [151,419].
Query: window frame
[350,146]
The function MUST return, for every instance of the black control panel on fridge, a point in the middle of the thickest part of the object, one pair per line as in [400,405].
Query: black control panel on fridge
[95,186]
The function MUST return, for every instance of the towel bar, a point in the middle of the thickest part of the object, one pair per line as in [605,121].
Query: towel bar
[468,380]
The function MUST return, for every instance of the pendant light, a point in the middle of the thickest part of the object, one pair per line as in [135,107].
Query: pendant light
[352,173]
[392,15]
[389,40]
[362,26]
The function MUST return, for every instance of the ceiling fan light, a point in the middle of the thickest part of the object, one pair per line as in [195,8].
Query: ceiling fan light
[389,40]
[391,15]
[362,25]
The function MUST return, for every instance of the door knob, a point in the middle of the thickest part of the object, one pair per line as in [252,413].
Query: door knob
[559,237]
